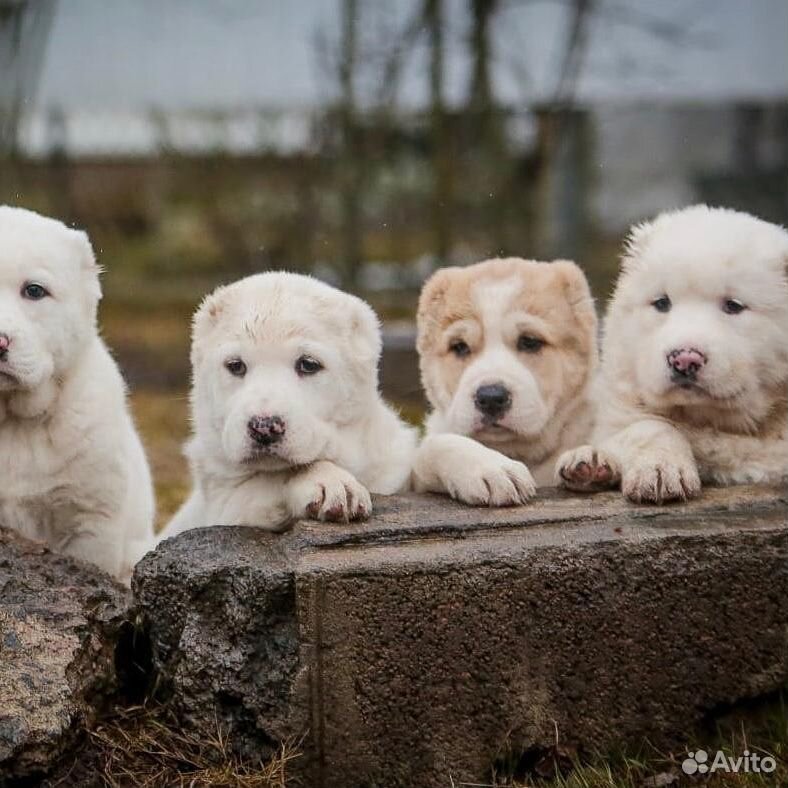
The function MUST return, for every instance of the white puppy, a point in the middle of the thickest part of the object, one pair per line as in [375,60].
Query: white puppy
[288,420]
[695,360]
[74,472]
[507,350]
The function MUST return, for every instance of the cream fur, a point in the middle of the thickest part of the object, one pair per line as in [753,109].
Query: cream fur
[341,440]
[488,307]
[659,440]
[73,468]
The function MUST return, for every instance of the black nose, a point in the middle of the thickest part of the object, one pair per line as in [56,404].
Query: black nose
[493,400]
[266,430]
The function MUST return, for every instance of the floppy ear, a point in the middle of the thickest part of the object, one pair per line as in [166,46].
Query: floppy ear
[365,335]
[578,293]
[205,318]
[91,270]
[365,345]
[785,250]
[433,294]
[635,243]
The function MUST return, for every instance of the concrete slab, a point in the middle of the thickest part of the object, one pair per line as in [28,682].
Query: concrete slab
[437,639]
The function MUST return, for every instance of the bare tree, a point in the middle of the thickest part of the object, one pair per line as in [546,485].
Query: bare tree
[485,119]
[351,171]
[575,49]
[480,99]
[563,185]
[440,133]
[565,129]
[24,30]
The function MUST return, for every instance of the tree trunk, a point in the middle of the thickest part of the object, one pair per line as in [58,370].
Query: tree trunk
[351,169]
[441,141]
[24,29]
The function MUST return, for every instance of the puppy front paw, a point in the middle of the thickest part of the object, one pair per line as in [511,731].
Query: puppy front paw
[587,469]
[328,493]
[492,479]
[661,482]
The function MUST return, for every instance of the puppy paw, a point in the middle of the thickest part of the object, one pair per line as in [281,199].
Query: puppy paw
[330,494]
[661,482]
[587,469]
[491,480]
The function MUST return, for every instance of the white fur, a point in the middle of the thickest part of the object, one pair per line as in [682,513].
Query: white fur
[470,472]
[341,440]
[659,440]
[73,469]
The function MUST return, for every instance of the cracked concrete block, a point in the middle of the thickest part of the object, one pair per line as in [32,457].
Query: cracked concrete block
[437,639]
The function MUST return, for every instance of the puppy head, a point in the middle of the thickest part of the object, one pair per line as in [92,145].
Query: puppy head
[49,291]
[504,344]
[281,364]
[699,318]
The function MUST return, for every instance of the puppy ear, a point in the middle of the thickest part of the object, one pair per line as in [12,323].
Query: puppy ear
[205,318]
[785,249]
[433,294]
[91,270]
[578,293]
[635,243]
[365,337]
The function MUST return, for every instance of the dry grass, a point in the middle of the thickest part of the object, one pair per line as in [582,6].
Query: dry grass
[163,421]
[760,727]
[157,330]
[142,747]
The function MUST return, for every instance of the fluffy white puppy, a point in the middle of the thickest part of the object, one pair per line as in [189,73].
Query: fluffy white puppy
[694,382]
[74,471]
[288,420]
[508,351]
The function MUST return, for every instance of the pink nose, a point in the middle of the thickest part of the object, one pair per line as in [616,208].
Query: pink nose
[686,362]
[5,343]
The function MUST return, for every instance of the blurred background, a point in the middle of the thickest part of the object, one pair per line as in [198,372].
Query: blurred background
[370,142]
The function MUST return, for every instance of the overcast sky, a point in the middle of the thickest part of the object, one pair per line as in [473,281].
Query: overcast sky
[223,54]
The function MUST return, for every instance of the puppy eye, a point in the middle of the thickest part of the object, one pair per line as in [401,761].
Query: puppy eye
[732,307]
[529,344]
[306,365]
[460,348]
[662,304]
[34,291]
[235,367]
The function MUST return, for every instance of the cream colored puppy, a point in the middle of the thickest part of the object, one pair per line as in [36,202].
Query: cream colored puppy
[74,472]
[288,420]
[694,380]
[507,351]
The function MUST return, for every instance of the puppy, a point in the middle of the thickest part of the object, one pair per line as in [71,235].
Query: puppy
[288,421]
[74,472]
[507,351]
[694,380]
